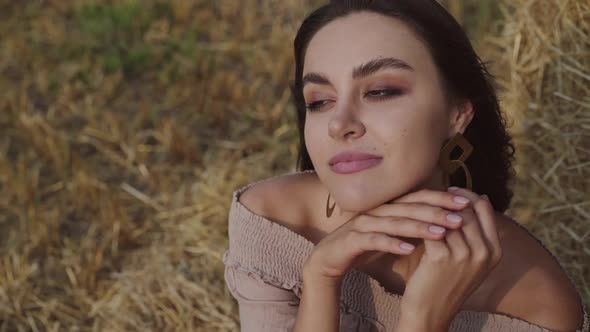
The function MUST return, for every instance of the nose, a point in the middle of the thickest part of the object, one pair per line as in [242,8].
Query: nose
[344,124]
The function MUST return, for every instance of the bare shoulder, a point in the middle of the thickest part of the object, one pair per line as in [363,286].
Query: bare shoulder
[282,199]
[533,286]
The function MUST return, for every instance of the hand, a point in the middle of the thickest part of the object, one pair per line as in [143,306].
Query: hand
[449,271]
[376,230]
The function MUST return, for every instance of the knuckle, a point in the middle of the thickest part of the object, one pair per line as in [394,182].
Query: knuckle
[373,237]
[461,254]
[359,219]
[384,241]
[396,219]
[481,256]
[439,256]
[481,203]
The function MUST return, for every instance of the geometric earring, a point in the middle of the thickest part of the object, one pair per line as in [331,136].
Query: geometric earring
[450,166]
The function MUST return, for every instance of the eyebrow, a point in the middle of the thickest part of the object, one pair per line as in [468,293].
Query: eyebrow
[362,71]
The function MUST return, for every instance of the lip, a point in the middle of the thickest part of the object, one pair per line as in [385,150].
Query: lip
[351,156]
[347,167]
[351,161]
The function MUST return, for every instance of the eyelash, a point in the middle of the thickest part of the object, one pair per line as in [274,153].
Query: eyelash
[391,93]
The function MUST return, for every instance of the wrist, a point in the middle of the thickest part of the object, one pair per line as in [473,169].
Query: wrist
[313,277]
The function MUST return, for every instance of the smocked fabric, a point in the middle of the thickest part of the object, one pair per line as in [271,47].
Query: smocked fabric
[263,267]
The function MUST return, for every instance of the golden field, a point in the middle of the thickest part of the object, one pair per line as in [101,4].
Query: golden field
[126,125]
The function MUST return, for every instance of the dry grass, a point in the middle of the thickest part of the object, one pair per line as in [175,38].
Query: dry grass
[126,126]
[541,55]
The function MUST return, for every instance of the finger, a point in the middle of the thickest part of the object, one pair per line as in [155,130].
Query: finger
[419,211]
[487,217]
[457,244]
[447,200]
[471,195]
[472,242]
[436,250]
[364,242]
[477,240]
[404,227]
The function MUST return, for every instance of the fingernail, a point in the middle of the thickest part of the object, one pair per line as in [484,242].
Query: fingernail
[484,196]
[406,246]
[452,188]
[436,229]
[454,218]
[460,199]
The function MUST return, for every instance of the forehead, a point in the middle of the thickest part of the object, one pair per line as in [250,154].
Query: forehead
[359,37]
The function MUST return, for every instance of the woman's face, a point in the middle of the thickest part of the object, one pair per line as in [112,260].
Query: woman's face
[378,92]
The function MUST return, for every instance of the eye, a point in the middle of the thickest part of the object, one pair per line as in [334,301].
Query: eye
[373,94]
[315,105]
[384,93]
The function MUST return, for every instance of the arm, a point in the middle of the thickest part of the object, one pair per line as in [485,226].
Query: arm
[319,308]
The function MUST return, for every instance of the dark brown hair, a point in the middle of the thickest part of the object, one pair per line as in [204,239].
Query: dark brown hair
[464,75]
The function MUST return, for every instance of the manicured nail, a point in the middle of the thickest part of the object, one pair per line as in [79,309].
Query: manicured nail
[454,218]
[484,196]
[452,188]
[436,229]
[406,246]
[460,199]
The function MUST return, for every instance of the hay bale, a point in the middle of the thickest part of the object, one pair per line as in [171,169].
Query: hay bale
[125,126]
[541,56]
[116,169]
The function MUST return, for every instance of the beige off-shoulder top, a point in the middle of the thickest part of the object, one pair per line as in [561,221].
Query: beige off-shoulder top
[263,267]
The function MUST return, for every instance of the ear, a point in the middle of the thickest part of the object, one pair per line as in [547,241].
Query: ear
[461,116]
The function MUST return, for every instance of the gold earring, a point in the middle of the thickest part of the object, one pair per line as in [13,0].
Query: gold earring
[329,209]
[450,166]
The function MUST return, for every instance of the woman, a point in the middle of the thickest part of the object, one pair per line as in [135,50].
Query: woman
[367,237]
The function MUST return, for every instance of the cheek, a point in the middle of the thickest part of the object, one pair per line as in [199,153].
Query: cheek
[411,134]
[431,106]
[312,139]
[426,116]
[420,148]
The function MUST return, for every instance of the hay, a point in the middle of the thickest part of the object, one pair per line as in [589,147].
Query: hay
[541,53]
[126,125]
